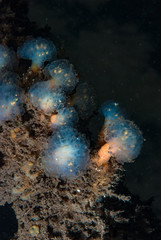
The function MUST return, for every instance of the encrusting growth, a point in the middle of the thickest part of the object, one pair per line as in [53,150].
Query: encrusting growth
[52,172]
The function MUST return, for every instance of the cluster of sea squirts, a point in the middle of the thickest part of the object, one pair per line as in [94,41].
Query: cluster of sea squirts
[68,151]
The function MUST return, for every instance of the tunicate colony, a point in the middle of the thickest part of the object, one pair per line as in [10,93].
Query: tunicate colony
[65,101]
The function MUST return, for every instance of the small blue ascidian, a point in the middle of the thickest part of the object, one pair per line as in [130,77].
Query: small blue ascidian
[62,75]
[46,99]
[9,78]
[10,102]
[7,58]
[67,154]
[84,100]
[38,50]
[124,139]
[111,111]
[66,116]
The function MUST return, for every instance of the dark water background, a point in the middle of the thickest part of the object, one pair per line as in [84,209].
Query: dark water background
[116,46]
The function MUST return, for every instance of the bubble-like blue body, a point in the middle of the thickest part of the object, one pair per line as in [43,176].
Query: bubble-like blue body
[111,111]
[125,140]
[9,78]
[10,102]
[84,100]
[45,99]
[7,58]
[63,75]
[67,154]
[67,116]
[38,50]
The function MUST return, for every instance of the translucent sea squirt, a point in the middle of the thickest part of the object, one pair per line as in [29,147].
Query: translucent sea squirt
[67,154]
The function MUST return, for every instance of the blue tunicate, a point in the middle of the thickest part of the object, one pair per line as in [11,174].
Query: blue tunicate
[84,100]
[67,116]
[67,154]
[38,50]
[45,99]
[63,75]
[10,102]
[7,58]
[9,78]
[125,140]
[111,111]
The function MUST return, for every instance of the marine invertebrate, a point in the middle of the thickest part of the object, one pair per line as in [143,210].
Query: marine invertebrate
[67,154]
[111,111]
[84,100]
[7,58]
[123,142]
[9,78]
[65,116]
[38,50]
[10,102]
[40,180]
[62,75]
[46,99]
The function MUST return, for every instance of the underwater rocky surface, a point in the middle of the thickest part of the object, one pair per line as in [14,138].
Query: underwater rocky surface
[95,205]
